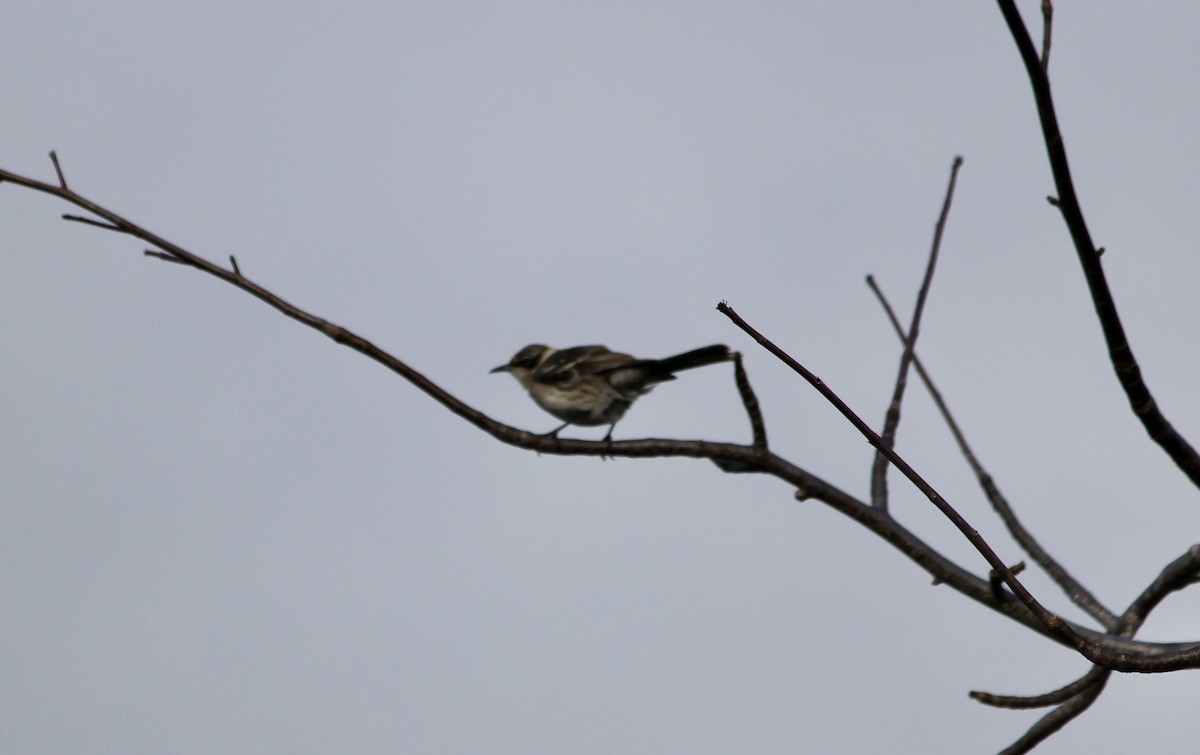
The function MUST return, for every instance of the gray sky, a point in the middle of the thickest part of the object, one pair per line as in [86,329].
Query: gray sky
[224,533]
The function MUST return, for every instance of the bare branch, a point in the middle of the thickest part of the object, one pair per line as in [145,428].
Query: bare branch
[745,458]
[1114,649]
[879,492]
[1077,696]
[1129,654]
[1185,656]
[1094,676]
[1075,590]
[1129,374]
[1051,622]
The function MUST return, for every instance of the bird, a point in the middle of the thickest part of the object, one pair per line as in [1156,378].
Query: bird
[591,385]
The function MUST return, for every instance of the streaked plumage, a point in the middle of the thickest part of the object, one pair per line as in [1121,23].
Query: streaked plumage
[590,385]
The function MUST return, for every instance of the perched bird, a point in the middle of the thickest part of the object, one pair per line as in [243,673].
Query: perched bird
[590,385]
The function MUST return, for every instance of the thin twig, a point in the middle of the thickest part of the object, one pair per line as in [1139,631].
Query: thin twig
[1075,590]
[62,180]
[879,468]
[996,579]
[89,221]
[1056,719]
[164,256]
[1047,23]
[1094,675]
[750,401]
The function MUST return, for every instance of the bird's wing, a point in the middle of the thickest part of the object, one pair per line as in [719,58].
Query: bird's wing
[561,366]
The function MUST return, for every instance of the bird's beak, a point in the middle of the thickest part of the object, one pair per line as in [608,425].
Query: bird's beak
[501,368]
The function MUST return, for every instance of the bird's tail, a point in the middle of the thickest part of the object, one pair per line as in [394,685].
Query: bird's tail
[696,358]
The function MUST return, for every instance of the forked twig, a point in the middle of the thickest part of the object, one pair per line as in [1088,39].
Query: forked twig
[1076,697]
[1075,590]
[1185,656]
[1052,622]
[1056,719]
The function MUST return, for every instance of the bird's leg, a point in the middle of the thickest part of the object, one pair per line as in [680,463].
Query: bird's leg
[608,440]
[554,433]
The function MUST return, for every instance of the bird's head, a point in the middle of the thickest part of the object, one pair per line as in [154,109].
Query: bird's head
[525,361]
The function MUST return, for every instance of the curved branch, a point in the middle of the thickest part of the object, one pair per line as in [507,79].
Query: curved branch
[1133,655]
[1094,676]
[1120,353]
[1179,574]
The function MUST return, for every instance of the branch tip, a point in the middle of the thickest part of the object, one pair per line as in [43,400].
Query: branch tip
[89,221]
[1047,23]
[62,181]
[891,422]
[750,402]
[163,256]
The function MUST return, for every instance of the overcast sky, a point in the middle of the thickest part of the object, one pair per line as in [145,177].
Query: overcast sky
[222,533]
